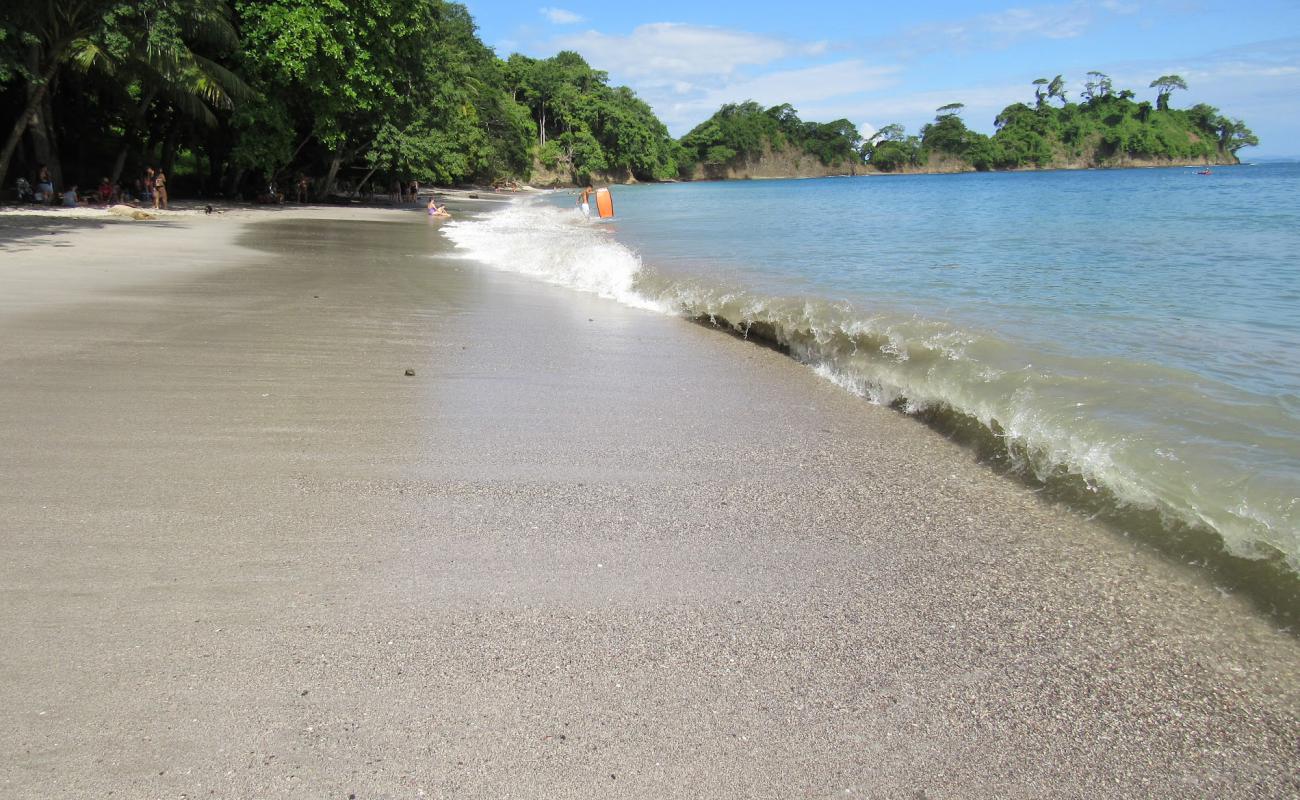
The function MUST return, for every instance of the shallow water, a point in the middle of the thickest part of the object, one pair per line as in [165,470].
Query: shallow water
[1131,334]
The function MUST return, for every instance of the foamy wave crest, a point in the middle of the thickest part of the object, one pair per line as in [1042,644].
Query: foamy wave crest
[1077,425]
[1081,427]
[559,246]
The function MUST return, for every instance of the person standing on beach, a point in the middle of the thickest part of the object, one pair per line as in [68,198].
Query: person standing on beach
[146,187]
[584,200]
[160,191]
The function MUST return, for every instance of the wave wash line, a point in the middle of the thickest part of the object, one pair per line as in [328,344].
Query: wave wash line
[1066,428]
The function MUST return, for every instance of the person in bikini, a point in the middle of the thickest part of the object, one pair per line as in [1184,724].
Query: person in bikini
[160,191]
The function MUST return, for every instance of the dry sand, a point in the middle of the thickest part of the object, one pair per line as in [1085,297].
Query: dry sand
[585,551]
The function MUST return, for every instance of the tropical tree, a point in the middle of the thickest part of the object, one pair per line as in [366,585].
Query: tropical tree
[162,53]
[1098,87]
[1040,93]
[1165,86]
[1234,135]
[50,34]
[1057,89]
[145,50]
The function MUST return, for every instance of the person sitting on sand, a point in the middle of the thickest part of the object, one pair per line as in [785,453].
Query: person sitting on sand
[44,185]
[436,210]
[105,191]
[70,197]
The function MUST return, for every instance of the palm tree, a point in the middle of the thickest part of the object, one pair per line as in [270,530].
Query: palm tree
[54,33]
[163,64]
[145,47]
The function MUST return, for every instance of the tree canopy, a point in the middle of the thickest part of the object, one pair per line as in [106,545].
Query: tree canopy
[739,131]
[231,96]
[1108,128]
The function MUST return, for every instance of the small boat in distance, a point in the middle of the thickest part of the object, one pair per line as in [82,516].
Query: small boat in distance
[1205,171]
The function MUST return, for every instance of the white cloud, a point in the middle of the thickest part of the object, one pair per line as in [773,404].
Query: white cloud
[810,84]
[834,90]
[677,51]
[559,16]
[1002,29]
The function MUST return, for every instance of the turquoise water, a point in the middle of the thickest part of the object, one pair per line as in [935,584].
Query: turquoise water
[1131,334]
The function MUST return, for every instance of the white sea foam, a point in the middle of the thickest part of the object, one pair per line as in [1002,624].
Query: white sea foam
[1055,415]
[559,246]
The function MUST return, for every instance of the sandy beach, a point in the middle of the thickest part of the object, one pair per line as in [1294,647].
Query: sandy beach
[584,551]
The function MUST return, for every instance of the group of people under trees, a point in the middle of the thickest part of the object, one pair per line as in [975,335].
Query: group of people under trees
[149,188]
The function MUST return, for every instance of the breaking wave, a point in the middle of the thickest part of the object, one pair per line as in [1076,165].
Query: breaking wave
[1161,453]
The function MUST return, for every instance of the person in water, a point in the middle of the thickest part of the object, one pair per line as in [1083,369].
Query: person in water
[436,210]
[584,200]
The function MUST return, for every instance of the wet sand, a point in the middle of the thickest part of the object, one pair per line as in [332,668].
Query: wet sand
[584,551]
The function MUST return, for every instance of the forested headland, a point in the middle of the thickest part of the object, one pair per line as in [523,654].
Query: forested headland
[232,98]
[1109,128]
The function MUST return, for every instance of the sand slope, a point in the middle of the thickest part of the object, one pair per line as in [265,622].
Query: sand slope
[584,551]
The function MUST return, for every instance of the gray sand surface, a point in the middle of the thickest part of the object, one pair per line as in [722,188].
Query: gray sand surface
[586,551]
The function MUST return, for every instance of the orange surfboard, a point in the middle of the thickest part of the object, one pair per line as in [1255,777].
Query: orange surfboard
[604,203]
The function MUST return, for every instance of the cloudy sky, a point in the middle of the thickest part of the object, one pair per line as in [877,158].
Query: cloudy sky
[877,63]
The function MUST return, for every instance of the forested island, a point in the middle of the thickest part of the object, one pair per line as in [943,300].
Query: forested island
[235,98]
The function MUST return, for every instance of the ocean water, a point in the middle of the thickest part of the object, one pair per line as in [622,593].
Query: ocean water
[1129,338]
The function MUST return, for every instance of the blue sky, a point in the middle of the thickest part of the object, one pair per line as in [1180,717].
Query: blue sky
[877,63]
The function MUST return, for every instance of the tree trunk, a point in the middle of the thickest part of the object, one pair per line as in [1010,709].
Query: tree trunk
[335,163]
[170,143]
[235,178]
[357,189]
[541,128]
[131,136]
[42,138]
[34,96]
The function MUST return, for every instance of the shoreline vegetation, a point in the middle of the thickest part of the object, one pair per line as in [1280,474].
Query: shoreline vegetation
[280,99]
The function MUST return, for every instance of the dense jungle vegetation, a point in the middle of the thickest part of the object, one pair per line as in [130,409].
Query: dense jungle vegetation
[232,97]
[1109,128]
[747,130]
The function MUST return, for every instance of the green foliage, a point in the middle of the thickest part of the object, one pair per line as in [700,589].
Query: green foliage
[747,131]
[948,135]
[1166,84]
[402,89]
[895,153]
[583,122]
[1108,127]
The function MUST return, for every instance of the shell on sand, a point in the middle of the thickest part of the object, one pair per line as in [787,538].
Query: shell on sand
[128,211]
